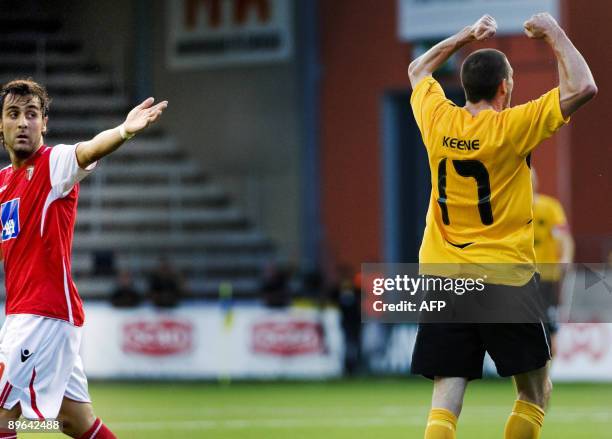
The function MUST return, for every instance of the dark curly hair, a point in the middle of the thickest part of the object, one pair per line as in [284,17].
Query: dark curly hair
[25,87]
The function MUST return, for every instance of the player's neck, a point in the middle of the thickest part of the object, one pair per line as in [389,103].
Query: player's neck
[18,162]
[475,108]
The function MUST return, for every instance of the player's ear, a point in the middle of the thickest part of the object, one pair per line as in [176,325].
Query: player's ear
[44,124]
[503,87]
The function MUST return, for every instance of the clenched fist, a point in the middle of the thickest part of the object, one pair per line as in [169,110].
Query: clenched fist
[540,25]
[484,28]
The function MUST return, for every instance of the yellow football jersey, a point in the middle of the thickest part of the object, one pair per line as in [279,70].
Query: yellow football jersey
[548,214]
[480,210]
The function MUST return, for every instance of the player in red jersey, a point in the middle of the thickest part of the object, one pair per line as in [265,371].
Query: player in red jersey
[41,372]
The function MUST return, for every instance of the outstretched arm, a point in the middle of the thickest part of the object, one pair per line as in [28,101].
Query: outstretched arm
[429,62]
[576,82]
[139,118]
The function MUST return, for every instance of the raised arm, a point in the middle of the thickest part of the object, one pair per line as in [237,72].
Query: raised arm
[576,82]
[429,62]
[139,118]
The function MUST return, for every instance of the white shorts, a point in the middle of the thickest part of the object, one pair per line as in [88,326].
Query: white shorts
[40,364]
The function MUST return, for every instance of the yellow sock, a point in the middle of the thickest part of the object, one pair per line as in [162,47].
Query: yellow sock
[525,421]
[441,424]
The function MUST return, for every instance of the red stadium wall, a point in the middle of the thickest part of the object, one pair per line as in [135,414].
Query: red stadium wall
[590,147]
[362,58]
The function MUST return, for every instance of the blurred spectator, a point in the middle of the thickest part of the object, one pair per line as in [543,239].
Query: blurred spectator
[125,294]
[275,286]
[312,285]
[347,293]
[165,285]
[104,263]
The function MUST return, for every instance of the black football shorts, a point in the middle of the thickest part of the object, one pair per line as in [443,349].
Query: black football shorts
[450,349]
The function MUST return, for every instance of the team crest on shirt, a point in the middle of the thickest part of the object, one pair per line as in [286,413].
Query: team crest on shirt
[29,172]
[9,215]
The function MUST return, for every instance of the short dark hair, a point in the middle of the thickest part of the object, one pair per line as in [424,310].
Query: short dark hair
[25,87]
[482,72]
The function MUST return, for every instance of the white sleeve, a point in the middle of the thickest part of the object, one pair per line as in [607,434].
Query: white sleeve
[64,169]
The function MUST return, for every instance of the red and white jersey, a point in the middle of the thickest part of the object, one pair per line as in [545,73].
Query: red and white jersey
[38,212]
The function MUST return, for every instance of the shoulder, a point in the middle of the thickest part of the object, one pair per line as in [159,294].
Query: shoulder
[546,103]
[548,199]
[46,150]
[61,153]
[45,153]
[425,87]
[548,202]
[425,82]
[4,172]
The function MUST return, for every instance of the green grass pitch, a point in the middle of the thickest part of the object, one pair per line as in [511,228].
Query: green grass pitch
[346,409]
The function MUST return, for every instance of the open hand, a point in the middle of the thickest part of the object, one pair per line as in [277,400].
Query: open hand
[141,116]
[484,28]
[540,25]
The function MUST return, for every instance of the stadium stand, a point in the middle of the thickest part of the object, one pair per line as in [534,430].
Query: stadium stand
[147,200]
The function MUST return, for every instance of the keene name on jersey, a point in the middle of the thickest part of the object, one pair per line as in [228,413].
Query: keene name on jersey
[463,145]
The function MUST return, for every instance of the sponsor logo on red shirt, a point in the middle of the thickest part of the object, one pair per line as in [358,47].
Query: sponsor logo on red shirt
[287,339]
[157,338]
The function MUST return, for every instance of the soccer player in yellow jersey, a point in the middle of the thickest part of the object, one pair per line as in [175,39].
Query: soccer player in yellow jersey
[481,212]
[554,247]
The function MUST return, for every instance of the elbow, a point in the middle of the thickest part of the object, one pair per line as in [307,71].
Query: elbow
[413,69]
[589,91]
